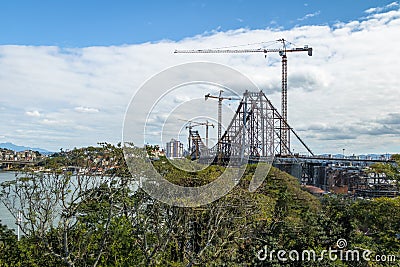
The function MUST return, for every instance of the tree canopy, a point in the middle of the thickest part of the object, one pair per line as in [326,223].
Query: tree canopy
[105,220]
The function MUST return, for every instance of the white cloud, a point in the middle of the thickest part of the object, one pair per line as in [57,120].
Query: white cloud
[52,122]
[310,15]
[383,8]
[393,4]
[33,113]
[86,110]
[350,80]
[371,10]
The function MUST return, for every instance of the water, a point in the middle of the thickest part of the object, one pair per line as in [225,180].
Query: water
[5,216]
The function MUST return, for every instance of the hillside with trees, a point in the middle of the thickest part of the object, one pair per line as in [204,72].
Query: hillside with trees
[104,220]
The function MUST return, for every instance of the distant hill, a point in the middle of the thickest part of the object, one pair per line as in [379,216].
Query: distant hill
[18,148]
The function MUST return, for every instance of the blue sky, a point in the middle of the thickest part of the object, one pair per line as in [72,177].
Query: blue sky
[77,23]
[68,69]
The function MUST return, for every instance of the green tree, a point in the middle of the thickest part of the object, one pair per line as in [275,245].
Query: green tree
[391,171]
[106,220]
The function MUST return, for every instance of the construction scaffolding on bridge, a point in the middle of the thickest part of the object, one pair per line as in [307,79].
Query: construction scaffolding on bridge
[254,134]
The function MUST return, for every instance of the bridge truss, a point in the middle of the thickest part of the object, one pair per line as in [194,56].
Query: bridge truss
[254,133]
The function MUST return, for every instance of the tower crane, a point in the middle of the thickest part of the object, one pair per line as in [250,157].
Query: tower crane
[284,131]
[220,99]
[196,123]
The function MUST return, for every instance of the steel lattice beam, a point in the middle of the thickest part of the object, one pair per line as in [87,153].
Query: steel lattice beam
[255,132]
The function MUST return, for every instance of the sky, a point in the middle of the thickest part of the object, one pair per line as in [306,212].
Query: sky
[78,23]
[68,69]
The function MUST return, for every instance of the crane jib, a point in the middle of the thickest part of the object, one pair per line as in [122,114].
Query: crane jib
[285,130]
[260,50]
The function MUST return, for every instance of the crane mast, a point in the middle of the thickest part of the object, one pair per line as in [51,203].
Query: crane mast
[284,129]
[220,99]
[192,124]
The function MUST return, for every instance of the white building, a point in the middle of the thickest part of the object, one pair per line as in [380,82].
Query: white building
[174,149]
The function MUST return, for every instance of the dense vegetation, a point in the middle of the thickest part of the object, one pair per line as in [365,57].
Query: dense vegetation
[104,221]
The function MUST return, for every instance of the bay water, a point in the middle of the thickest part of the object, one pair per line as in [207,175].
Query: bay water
[5,216]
